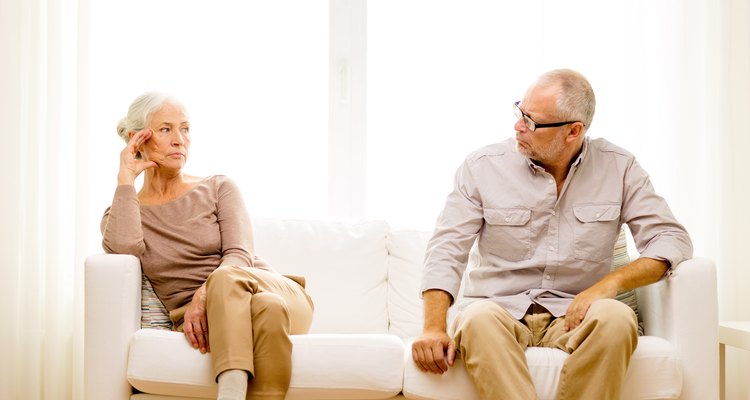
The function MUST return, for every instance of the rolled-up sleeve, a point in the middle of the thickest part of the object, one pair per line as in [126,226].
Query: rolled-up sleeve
[656,232]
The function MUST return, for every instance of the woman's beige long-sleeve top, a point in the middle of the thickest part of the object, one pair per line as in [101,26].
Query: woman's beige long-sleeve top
[181,242]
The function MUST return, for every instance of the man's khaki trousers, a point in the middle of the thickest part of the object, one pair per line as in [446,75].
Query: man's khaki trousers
[251,313]
[492,344]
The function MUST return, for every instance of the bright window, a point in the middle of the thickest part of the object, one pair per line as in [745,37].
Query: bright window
[253,75]
[442,77]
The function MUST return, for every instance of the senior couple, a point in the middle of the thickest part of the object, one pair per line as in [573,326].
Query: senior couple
[545,208]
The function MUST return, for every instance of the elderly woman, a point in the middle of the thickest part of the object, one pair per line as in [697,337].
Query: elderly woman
[194,240]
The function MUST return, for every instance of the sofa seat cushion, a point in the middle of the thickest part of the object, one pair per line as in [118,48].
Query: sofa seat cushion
[331,366]
[654,373]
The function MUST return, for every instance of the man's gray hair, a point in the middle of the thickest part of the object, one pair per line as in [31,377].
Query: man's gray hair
[140,111]
[576,100]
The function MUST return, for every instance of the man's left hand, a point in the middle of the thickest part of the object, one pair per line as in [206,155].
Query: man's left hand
[581,303]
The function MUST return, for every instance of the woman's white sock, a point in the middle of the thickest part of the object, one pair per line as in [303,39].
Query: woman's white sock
[232,385]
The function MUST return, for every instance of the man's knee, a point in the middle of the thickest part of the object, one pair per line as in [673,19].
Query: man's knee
[614,315]
[484,317]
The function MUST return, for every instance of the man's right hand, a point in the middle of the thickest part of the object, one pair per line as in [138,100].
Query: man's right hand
[434,352]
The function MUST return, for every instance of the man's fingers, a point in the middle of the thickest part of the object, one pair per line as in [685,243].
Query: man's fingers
[439,365]
[451,353]
[575,316]
[418,355]
[433,355]
[426,358]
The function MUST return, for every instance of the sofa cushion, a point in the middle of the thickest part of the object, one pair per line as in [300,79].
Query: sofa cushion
[344,264]
[332,366]
[406,250]
[153,313]
[621,258]
[654,373]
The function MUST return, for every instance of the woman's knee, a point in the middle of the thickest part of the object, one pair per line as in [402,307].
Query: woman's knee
[270,305]
[228,278]
[221,275]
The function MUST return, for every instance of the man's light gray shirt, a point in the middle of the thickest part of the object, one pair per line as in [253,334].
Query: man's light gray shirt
[534,246]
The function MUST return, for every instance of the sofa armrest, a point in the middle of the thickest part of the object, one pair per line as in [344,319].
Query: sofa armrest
[683,308]
[112,314]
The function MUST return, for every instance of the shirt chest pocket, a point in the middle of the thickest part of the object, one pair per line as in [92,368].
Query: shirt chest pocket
[594,229]
[507,233]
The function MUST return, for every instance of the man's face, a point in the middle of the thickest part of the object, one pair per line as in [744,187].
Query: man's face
[545,145]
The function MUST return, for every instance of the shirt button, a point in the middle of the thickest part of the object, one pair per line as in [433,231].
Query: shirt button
[507,219]
[550,181]
[598,215]
[552,248]
[547,277]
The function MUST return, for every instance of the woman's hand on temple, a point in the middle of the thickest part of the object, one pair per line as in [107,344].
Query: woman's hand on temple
[196,321]
[130,166]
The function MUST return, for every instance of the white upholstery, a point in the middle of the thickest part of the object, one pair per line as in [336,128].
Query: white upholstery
[654,374]
[366,366]
[364,279]
[345,265]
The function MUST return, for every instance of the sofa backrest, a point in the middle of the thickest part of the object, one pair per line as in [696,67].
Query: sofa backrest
[406,251]
[363,277]
[345,265]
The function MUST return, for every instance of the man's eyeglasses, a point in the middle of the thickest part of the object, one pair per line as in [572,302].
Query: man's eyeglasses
[530,124]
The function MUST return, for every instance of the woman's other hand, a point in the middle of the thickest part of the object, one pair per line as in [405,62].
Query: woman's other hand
[130,166]
[195,323]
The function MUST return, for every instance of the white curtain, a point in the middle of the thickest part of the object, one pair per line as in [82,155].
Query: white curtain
[690,126]
[44,213]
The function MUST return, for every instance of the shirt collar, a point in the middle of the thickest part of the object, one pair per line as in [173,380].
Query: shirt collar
[581,155]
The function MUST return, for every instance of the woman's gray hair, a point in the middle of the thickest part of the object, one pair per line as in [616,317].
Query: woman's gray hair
[576,100]
[140,111]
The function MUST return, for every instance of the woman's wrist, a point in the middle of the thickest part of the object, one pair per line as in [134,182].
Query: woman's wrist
[200,294]
[125,179]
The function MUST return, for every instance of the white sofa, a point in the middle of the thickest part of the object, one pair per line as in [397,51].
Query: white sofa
[364,278]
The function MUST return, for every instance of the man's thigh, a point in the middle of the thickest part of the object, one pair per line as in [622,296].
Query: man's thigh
[605,311]
[486,321]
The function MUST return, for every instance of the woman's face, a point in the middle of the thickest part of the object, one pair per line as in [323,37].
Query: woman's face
[169,143]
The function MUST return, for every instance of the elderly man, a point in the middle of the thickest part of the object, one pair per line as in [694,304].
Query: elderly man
[545,209]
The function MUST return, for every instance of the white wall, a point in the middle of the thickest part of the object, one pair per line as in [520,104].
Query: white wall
[733,132]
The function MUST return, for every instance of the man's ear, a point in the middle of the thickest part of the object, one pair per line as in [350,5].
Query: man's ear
[575,133]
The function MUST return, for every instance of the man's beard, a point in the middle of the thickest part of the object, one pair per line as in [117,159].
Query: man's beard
[545,154]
